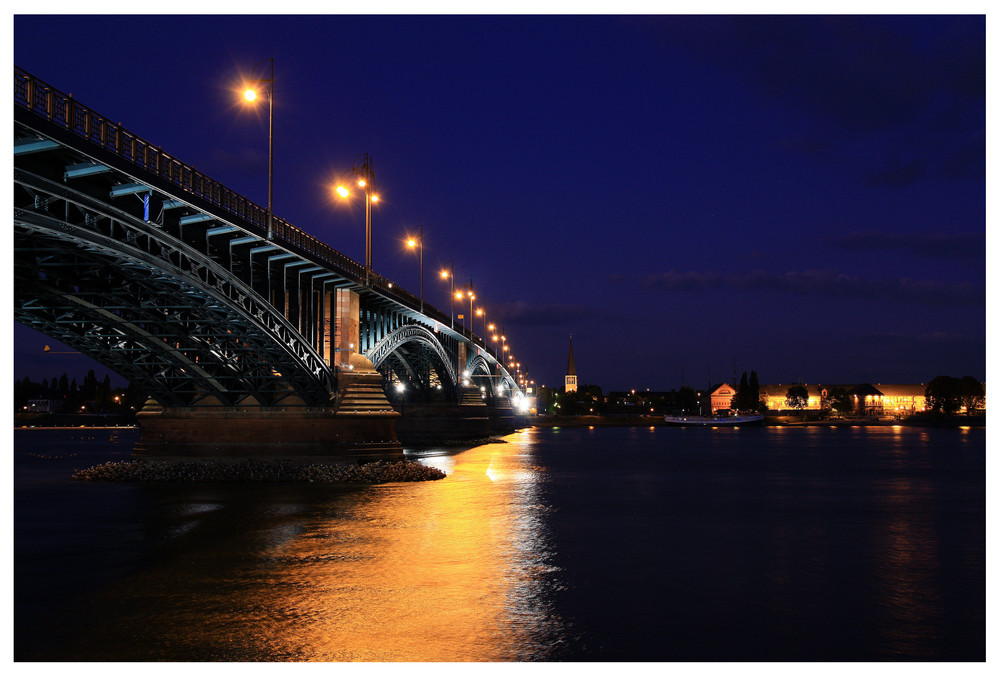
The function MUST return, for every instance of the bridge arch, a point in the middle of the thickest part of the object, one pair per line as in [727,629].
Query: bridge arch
[414,356]
[492,385]
[151,307]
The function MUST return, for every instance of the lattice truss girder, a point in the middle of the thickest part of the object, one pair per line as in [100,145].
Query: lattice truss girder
[152,308]
[410,354]
[418,368]
[492,385]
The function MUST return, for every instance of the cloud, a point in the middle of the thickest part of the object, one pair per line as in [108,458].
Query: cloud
[823,282]
[918,82]
[959,246]
[535,314]
[898,175]
[967,159]
[891,356]
[936,339]
[868,73]
[806,145]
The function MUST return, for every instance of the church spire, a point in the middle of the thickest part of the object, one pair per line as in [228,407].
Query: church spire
[571,369]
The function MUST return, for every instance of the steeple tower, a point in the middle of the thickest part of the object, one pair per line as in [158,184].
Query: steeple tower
[571,369]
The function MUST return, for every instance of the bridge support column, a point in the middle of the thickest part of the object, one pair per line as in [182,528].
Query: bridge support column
[361,399]
[264,432]
[434,423]
[327,340]
[360,424]
[346,327]
[502,419]
[461,361]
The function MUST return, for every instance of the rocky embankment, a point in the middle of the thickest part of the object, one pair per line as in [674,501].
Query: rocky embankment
[251,470]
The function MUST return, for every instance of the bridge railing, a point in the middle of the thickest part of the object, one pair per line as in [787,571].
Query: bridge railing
[63,110]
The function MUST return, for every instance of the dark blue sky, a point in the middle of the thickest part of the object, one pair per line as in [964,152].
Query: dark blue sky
[801,196]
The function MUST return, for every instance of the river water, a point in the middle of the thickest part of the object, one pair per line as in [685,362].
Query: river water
[566,544]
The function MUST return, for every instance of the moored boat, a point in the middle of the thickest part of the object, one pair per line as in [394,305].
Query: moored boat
[747,419]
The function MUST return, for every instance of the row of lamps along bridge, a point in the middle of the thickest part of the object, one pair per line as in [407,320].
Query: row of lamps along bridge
[363,174]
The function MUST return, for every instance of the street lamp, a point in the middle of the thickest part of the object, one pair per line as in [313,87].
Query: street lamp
[364,172]
[468,291]
[481,312]
[496,348]
[450,273]
[414,242]
[250,94]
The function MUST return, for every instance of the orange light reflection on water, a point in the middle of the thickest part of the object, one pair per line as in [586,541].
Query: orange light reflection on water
[433,571]
[450,570]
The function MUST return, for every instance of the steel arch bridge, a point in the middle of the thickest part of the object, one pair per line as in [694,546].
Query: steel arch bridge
[139,261]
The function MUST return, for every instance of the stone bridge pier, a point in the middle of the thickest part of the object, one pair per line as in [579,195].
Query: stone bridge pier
[359,423]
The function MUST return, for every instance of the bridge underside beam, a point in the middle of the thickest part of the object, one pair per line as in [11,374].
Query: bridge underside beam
[158,312]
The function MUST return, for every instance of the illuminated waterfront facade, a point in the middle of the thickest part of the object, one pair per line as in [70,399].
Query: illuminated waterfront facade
[722,397]
[871,399]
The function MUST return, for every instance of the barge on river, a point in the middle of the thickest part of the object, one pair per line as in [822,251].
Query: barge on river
[712,421]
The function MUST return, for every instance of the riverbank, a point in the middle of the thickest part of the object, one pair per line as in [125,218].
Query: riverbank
[797,420]
[254,470]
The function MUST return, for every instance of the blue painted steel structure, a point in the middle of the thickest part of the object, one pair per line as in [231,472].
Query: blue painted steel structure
[152,268]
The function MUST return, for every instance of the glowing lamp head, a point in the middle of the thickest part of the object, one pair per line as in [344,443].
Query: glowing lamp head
[374,198]
[361,183]
[343,192]
[250,95]
[444,274]
[411,243]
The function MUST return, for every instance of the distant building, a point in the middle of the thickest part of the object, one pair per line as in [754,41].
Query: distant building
[722,396]
[44,406]
[571,370]
[869,399]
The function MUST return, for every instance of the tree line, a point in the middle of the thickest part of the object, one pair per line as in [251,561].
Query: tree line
[589,399]
[92,395]
[947,394]
[943,395]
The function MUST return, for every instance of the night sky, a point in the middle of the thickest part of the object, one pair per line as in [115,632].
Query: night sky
[800,196]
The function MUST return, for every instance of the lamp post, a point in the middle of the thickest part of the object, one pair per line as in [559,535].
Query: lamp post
[250,94]
[450,273]
[481,312]
[472,297]
[364,172]
[411,243]
[468,291]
